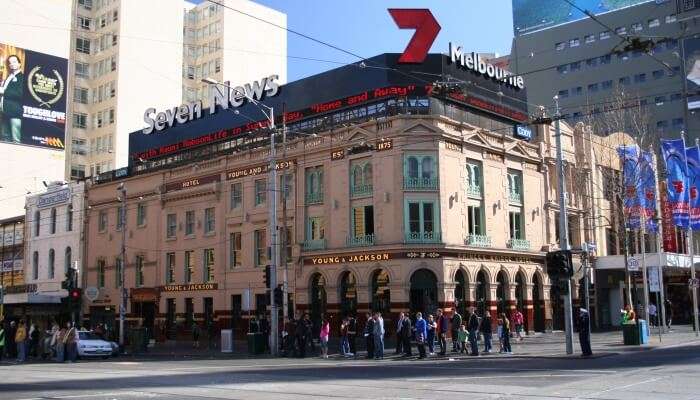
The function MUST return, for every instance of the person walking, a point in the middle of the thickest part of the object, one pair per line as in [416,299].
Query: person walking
[369,335]
[652,314]
[406,333]
[462,335]
[344,342]
[195,334]
[456,323]
[421,334]
[59,344]
[2,339]
[506,334]
[378,332]
[499,334]
[71,342]
[352,335]
[518,320]
[473,328]
[11,345]
[399,335]
[431,326]
[584,332]
[486,331]
[669,313]
[324,335]
[21,341]
[441,331]
[34,336]
[303,334]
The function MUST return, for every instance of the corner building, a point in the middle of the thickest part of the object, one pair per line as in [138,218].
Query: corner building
[399,197]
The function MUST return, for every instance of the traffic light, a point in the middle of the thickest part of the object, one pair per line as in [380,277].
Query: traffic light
[559,263]
[268,277]
[278,295]
[75,295]
[68,283]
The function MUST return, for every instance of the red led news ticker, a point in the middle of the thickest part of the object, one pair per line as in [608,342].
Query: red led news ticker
[320,108]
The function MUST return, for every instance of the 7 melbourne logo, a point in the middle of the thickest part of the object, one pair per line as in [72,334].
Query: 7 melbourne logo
[427,29]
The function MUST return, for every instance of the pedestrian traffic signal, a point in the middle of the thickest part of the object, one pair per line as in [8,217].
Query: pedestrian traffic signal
[559,263]
[268,277]
[75,294]
[68,283]
[278,295]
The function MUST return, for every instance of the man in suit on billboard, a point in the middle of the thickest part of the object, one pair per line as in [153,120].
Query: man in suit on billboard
[11,91]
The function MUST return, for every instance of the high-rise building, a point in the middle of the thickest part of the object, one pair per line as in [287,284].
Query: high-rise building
[589,65]
[231,44]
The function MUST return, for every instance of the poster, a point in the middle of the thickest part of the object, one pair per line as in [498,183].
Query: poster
[33,89]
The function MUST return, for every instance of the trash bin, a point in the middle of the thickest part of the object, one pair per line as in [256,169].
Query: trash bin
[643,331]
[630,334]
[256,343]
[137,339]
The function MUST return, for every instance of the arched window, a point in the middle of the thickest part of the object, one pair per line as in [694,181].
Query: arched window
[35,265]
[427,167]
[357,176]
[348,294]
[68,259]
[412,167]
[460,291]
[37,223]
[481,293]
[53,221]
[368,174]
[379,292]
[52,264]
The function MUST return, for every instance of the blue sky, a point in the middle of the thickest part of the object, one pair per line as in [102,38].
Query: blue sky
[366,28]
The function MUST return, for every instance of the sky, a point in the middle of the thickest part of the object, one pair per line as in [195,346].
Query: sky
[364,27]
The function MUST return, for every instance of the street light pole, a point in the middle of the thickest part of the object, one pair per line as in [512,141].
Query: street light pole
[563,231]
[122,272]
[269,112]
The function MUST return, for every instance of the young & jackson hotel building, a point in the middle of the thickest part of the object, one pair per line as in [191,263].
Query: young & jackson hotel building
[398,194]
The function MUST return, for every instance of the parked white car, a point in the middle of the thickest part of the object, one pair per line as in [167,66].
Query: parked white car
[90,345]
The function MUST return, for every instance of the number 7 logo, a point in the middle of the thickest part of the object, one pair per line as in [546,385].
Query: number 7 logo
[427,29]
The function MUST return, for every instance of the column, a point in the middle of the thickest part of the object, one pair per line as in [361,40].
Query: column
[529,311]
[492,305]
[547,307]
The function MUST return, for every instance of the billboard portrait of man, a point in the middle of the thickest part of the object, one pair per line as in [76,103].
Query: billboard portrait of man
[11,95]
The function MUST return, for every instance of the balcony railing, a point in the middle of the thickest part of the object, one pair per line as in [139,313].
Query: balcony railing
[478,241]
[419,183]
[518,244]
[360,190]
[318,244]
[360,241]
[423,237]
[474,191]
[314,198]
[515,197]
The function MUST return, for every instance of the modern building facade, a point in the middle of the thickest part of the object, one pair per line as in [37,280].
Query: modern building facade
[12,259]
[588,67]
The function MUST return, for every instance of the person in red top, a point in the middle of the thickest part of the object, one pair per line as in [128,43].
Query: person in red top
[518,321]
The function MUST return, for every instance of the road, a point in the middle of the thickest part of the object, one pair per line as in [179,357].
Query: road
[663,373]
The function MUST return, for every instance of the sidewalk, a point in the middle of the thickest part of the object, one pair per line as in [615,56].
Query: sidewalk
[540,345]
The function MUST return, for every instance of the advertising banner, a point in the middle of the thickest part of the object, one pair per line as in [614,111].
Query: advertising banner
[632,184]
[648,192]
[668,231]
[691,50]
[673,152]
[692,155]
[32,97]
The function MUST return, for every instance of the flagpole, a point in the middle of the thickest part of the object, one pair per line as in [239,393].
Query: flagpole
[692,263]
[642,221]
[661,308]
[628,279]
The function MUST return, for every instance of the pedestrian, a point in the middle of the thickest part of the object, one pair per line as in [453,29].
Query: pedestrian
[195,334]
[2,339]
[518,320]
[352,335]
[11,345]
[344,342]
[486,331]
[303,334]
[668,308]
[431,326]
[473,328]
[584,333]
[441,331]
[462,335]
[406,333]
[499,333]
[652,314]
[506,334]
[324,335]
[421,334]
[378,333]
[59,344]
[71,342]
[369,335]
[21,341]
[265,330]
[399,336]
[34,336]
[289,336]
[456,323]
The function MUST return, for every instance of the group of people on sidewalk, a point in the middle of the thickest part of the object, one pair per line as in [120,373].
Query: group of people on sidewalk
[19,343]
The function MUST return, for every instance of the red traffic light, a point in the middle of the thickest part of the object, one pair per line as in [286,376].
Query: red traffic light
[75,294]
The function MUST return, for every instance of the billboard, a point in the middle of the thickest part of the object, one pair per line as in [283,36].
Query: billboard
[32,97]
[691,48]
[532,15]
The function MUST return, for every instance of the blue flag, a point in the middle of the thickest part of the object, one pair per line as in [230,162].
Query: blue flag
[648,192]
[673,152]
[631,184]
[692,156]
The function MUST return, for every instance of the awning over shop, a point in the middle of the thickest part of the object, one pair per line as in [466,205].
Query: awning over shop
[666,260]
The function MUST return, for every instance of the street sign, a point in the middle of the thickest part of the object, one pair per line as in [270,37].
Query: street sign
[654,281]
[632,264]
[694,283]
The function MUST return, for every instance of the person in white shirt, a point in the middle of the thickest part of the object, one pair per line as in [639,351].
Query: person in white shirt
[652,314]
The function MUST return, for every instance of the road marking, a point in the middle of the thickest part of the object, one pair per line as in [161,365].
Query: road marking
[510,377]
[622,387]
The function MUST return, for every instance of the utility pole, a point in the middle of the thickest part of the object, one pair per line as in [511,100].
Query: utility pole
[122,272]
[693,287]
[274,242]
[285,231]
[563,231]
